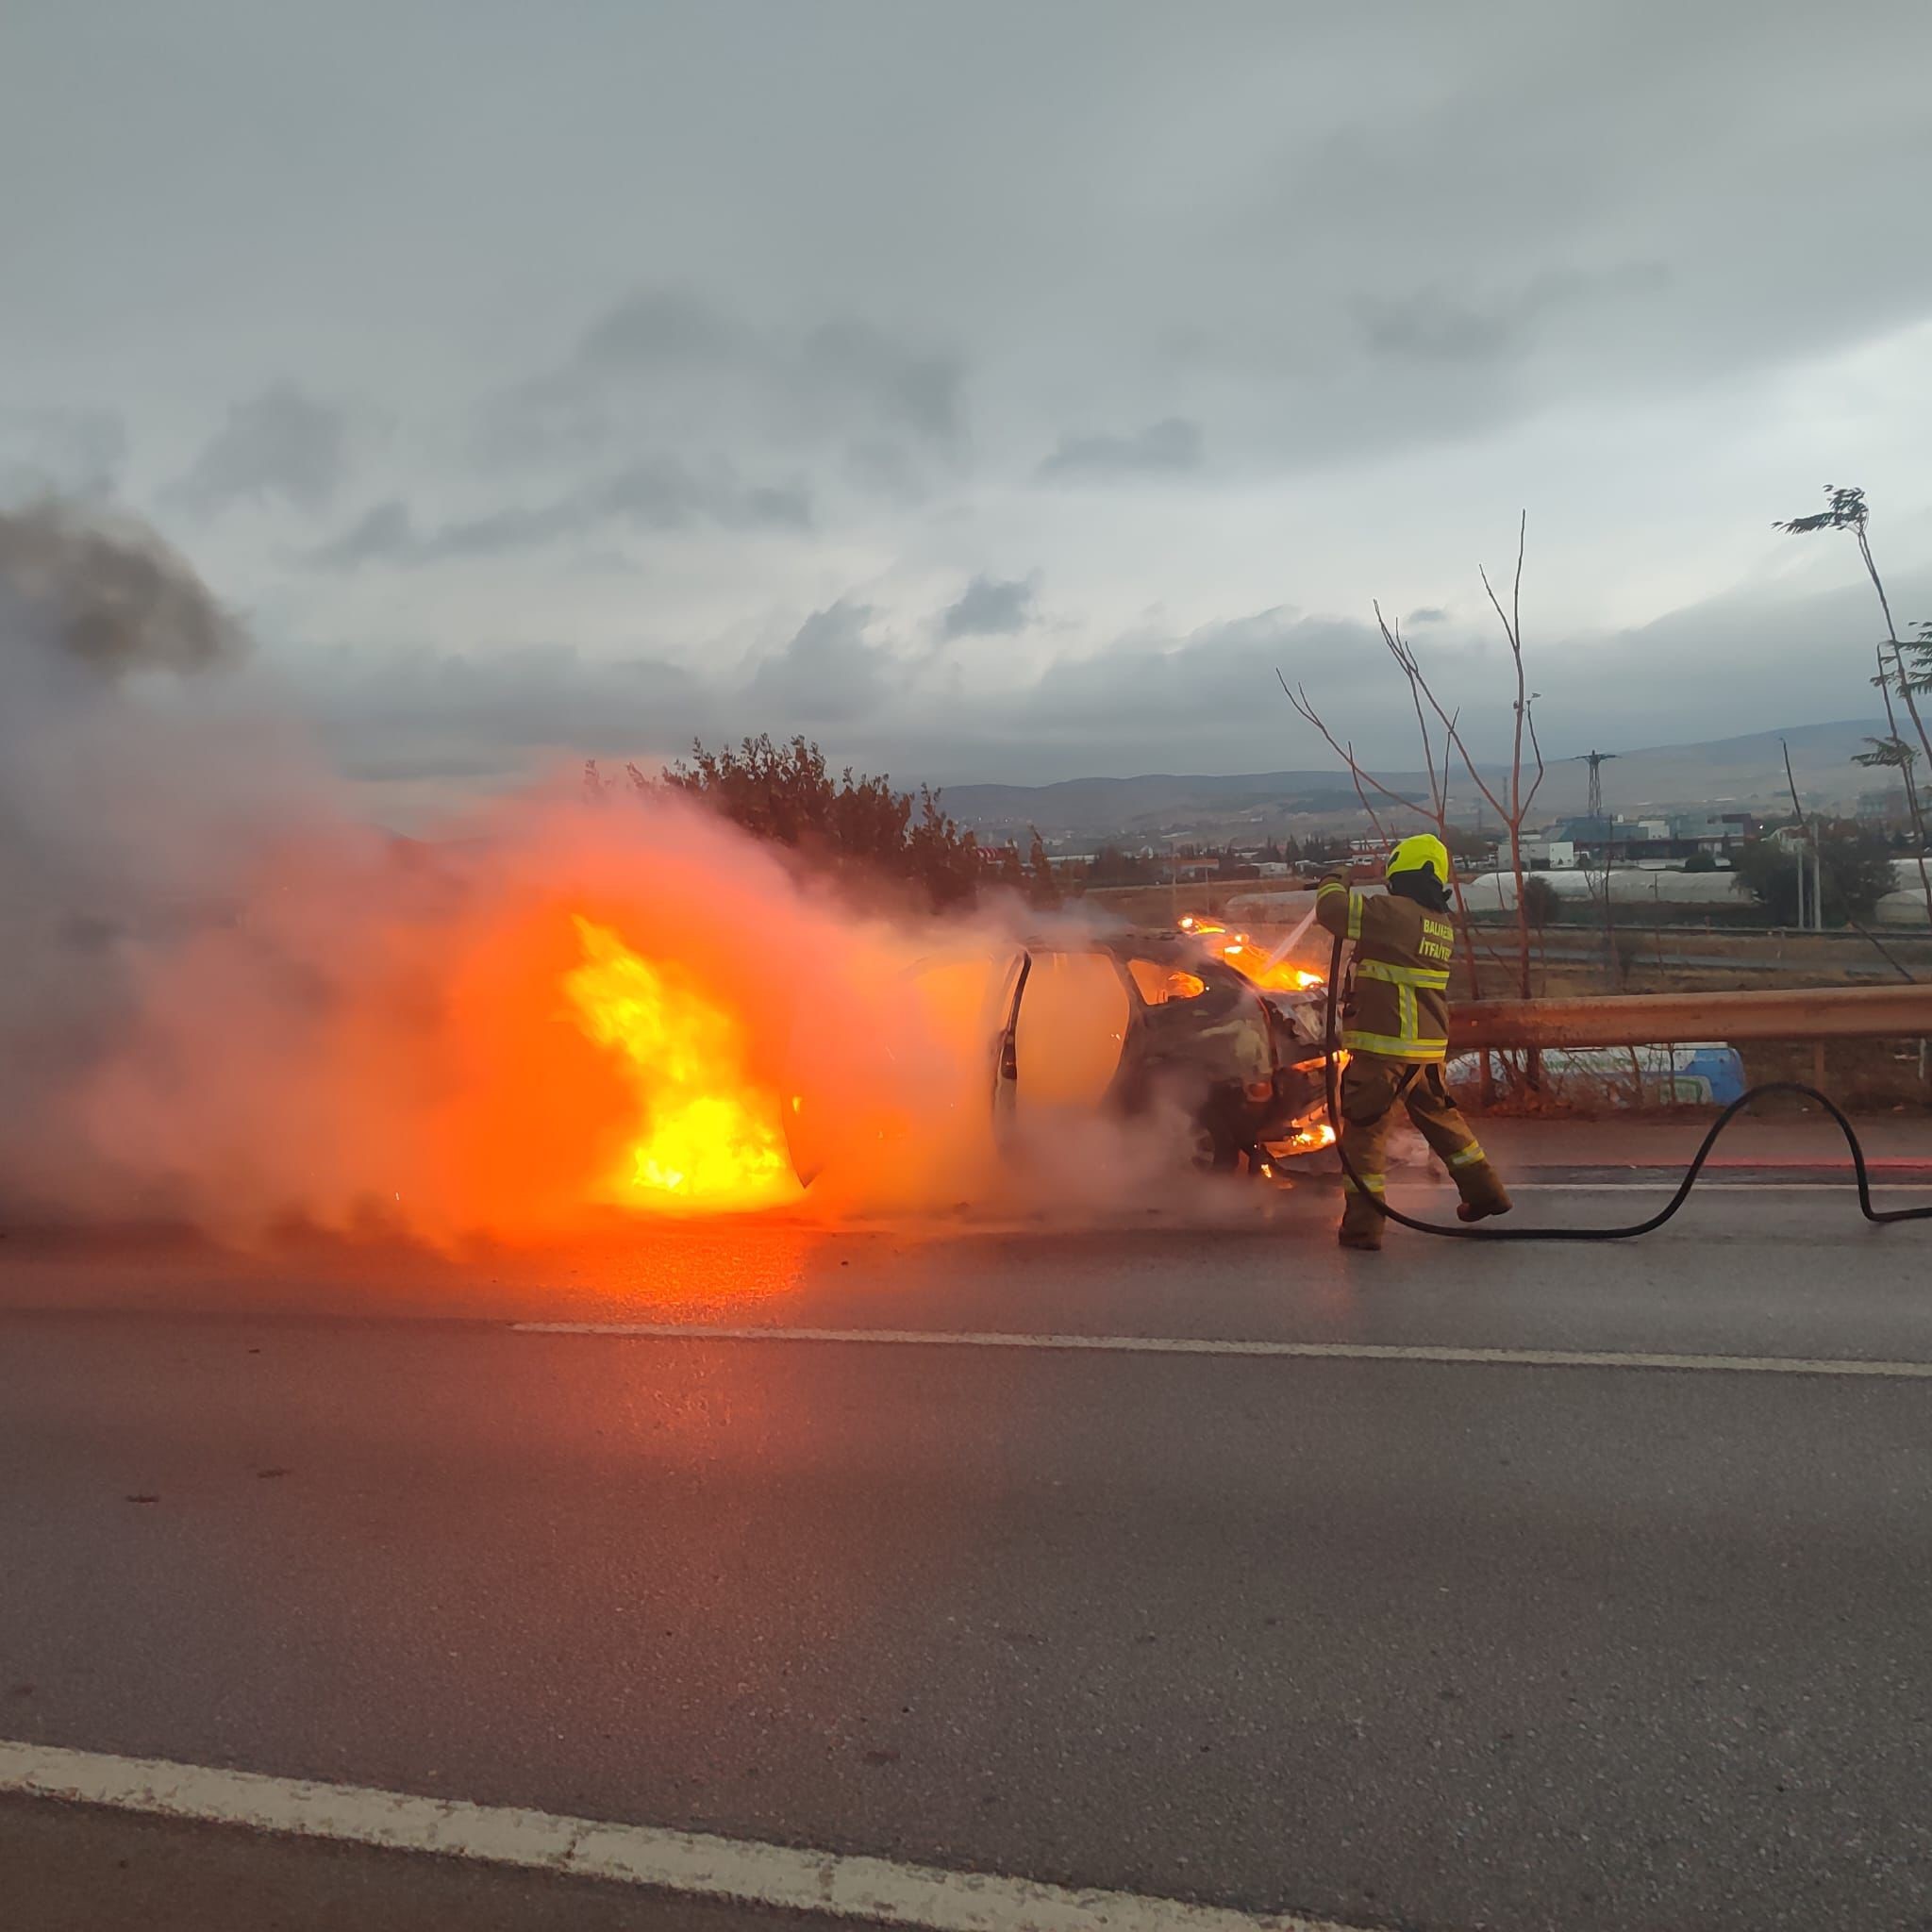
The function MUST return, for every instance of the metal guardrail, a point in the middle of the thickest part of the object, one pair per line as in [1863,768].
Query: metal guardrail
[1862,1012]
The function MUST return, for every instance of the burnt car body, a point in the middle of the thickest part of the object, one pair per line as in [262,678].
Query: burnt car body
[1242,1063]
[1132,1023]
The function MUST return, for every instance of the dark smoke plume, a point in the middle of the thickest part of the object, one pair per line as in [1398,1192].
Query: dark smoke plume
[135,783]
[108,593]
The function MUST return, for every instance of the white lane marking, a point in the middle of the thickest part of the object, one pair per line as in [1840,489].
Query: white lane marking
[697,1864]
[1189,1344]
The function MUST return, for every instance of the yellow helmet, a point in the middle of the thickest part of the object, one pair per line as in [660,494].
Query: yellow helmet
[1424,852]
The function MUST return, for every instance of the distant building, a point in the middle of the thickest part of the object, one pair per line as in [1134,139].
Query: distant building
[1652,840]
[1716,832]
[1549,855]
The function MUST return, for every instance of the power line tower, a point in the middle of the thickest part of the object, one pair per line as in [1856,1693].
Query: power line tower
[1596,760]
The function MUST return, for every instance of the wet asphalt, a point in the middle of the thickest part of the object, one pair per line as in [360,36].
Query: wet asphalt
[1391,1642]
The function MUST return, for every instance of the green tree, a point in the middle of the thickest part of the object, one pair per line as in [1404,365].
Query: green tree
[1044,888]
[1540,901]
[1006,871]
[1887,754]
[1701,861]
[784,793]
[1854,862]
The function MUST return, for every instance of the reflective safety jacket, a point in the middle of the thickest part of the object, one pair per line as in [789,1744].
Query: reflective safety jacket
[1400,1007]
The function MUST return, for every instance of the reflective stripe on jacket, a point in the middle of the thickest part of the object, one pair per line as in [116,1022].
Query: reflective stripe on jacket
[1402,955]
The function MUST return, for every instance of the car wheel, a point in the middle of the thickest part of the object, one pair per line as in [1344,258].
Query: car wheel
[1215,1151]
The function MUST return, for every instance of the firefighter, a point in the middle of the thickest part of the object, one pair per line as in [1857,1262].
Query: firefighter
[1396,1029]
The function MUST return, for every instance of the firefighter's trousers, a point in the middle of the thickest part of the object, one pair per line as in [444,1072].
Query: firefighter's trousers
[1371,1087]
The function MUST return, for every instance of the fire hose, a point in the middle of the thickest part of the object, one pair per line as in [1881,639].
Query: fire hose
[1468,1232]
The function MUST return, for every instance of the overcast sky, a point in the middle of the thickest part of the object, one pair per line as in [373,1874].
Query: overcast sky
[988,391]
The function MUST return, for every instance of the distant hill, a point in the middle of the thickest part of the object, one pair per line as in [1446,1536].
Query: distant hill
[1747,771]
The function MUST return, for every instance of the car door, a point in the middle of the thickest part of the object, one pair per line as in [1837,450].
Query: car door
[1062,1051]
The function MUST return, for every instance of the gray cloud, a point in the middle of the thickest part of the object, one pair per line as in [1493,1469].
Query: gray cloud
[656,495]
[416,715]
[426,715]
[1202,700]
[384,533]
[1273,336]
[1209,700]
[58,452]
[281,444]
[849,362]
[1438,325]
[1167,448]
[656,331]
[830,674]
[667,366]
[988,607]
[663,494]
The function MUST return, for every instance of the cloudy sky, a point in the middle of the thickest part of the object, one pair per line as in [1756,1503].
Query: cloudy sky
[990,391]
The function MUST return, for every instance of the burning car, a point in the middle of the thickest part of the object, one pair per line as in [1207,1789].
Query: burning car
[1133,1024]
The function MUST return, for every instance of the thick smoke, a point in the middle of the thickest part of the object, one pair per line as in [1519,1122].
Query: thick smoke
[134,788]
[230,1001]
[109,596]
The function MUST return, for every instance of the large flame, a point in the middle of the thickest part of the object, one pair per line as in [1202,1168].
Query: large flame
[709,1136]
[1255,962]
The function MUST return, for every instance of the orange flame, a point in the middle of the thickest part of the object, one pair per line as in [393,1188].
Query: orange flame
[1251,960]
[710,1136]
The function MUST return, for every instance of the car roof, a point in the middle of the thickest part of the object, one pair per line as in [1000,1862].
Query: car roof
[1132,943]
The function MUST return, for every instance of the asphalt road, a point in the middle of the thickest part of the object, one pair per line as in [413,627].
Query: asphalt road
[1414,1641]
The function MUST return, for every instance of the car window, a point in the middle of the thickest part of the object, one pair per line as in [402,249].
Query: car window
[1158,984]
[969,995]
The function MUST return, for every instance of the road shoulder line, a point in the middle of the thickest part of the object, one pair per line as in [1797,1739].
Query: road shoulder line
[651,1857]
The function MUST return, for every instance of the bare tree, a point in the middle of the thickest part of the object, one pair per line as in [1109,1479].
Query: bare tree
[1397,647]
[1436,812]
[1525,722]
[1511,803]
[1363,781]
[1891,753]
[1846,510]
[1807,836]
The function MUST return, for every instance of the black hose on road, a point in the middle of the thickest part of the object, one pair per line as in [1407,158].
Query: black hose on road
[1464,1231]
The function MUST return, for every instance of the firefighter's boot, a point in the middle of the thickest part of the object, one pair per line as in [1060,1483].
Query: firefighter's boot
[1482,1190]
[1361,1218]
